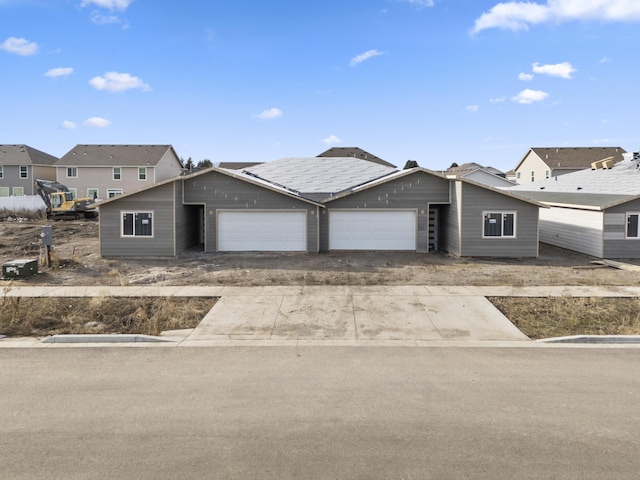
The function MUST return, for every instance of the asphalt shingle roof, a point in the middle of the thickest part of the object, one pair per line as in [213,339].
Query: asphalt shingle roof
[354,152]
[24,155]
[115,155]
[577,157]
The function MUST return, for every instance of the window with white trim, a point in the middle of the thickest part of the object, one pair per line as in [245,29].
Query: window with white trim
[137,224]
[117,173]
[632,225]
[142,173]
[499,224]
[4,191]
[92,192]
[73,192]
[533,176]
[18,191]
[24,171]
[547,173]
[72,172]
[113,192]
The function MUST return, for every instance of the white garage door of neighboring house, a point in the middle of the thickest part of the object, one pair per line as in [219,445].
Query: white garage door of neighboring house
[251,231]
[372,230]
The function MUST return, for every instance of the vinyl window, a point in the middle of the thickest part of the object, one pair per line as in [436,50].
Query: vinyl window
[18,191]
[72,172]
[142,173]
[632,225]
[24,171]
[113,192]
[117,173]
[4,191]
[137,224]
[499,224]
[1,171]
[92,192]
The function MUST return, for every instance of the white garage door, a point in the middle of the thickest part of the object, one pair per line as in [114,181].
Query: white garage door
[372,230]
[249,231]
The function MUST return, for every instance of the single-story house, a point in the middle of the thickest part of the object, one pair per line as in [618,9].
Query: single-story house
[594,211]
[410,210]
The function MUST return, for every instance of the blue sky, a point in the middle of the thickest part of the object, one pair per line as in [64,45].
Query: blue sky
[437,81]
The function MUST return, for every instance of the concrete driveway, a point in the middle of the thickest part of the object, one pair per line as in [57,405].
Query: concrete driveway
[352,314]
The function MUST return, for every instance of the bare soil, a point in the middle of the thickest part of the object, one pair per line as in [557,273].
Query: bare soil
[76,261]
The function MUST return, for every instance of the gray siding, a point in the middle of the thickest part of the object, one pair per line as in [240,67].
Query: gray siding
[160,201]
[450,224]
[475,201]
[573,229]
[415,191]
[219,191]
[616,245]
[11,178]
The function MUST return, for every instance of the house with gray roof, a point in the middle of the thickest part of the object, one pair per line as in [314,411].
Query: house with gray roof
[276,207]
[354,152]
[594,211]
[20,165]
[104,171]
[540,163]
[474,171]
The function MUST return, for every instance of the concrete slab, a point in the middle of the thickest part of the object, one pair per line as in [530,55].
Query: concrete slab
[447,290]
[326,290]
[279,290]
[387,290]
[199,291]
[241,291]
[239,315]
[393,318]
[469,318]
[315,317]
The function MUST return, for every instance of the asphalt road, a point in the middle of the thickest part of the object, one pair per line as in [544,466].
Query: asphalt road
[320,412]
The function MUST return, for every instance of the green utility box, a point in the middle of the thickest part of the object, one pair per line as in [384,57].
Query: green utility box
[21,268]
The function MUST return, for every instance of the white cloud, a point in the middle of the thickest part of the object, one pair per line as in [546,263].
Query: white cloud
[331,140]
[118,82]
[525,77]
[497,100]
[518,15]
[68,125]
[472,108]
[528,96]
[97,122]
[19,46]
[419,3]
[364,56]
[59,72]
[562,70]
[269,114]
[100,19]
[605,60]
[110,4]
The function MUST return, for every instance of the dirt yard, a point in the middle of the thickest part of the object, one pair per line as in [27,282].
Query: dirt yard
[76,261]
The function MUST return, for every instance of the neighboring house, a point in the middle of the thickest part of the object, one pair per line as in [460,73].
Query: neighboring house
[595,212]
[410,210]
[20,165]
[237,165]
[354,152]
[104,171]
[485,175]
[540,163]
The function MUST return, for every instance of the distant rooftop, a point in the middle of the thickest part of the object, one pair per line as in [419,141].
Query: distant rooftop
[237,165]
[355,152]
[118,155]
[24,155]
[576,157]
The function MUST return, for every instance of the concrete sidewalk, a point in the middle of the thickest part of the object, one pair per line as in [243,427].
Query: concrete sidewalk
[328,315]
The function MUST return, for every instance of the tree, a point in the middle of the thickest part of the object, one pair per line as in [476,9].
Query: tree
[205,163]
[189,164]
[453,165]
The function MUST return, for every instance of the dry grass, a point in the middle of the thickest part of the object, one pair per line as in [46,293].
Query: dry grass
[24,316]
[561,316]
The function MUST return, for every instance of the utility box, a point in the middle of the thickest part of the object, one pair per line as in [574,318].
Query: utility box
[21,268]
[47,236]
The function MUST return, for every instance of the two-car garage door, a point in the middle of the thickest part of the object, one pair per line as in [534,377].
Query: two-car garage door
[372,230]
[255,231]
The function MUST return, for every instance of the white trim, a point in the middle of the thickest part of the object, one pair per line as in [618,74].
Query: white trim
[142,170]
[74,169]
[26,171]
[502,214]
[113,174]
[134,213]
[114,191]
[626,224]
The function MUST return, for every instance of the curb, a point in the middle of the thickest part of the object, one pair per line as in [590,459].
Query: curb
[103,338]
[614,339]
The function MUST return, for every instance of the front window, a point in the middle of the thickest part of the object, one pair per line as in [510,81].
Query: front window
[113,192]
[117,173]
[72,172]
[92,193]
[142,173]
[547,174]
[632,225]
[499,224]
[24,171]
[533,176]
[137,224]
[4,191]
[73,192]
[18,191]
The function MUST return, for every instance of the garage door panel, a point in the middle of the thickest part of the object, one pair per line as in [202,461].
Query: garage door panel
[262,231]
[372,230]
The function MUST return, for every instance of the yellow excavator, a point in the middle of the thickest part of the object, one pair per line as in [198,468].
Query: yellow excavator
[61,204]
